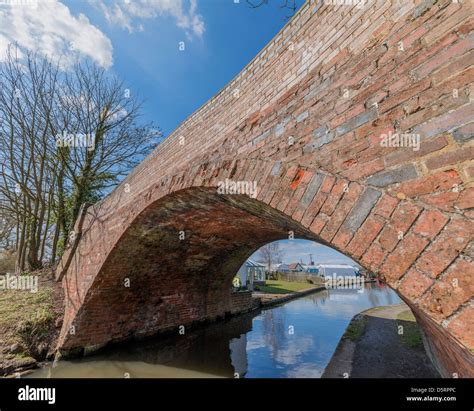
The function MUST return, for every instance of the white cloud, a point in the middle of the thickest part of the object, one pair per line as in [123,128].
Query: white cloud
[126,13]
[48,27]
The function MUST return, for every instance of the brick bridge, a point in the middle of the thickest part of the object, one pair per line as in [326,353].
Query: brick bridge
[307,121]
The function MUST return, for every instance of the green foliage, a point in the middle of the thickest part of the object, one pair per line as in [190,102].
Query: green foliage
[7,262]
[411,333]
[355,329]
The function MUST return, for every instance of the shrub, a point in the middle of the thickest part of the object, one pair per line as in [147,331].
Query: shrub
[35,333]
[7,262]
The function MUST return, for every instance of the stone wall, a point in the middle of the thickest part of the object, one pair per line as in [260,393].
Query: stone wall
[242,302]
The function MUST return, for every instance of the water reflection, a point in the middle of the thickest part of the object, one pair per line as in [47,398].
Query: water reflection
[293,340]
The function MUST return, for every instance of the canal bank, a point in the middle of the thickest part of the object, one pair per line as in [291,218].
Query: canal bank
[381,342]
[268,300]
[271,300]
[294,339]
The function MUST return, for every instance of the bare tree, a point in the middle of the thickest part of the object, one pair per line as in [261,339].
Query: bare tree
[270,254]
[26,92]
[66,138]
[103,109]
[286,4]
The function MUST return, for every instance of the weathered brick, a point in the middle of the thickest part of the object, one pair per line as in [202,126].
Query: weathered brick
[312,189]
[407,153]
[463,325]
[334,196]
[446,247]
[361,209]
[464,134]
[351,193]
[401,259]
[450,158]
[445,122]
[318,223]
[465,199]
[440,181]
[365,235]
[356,121]
[414,284]
[397,175]
[404,216]
[450,292]
[389,238]
[335,99]
[430,223]
[302,117]
[385,206]
[373,257]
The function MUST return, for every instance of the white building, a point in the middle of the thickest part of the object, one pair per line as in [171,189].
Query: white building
[337,269]
[251,273]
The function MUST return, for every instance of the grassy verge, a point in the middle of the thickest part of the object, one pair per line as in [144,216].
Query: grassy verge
[411,334]
[355,329]
[283,287]
[28,324]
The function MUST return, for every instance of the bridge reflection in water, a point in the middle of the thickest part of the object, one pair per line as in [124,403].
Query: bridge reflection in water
[293,340]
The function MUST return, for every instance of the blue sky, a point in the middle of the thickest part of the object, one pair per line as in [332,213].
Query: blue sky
[175,83]
[297,250]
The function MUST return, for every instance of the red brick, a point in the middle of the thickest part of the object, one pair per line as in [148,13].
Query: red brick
[440,181]
[414,284]
[463,326]
[465,199]
[445,201]
[318,223]
[430,223]
[404,216]
[178,183]
[365,235]
[297,179]
[373,257]
[450,158]
[446,247]
[401,259]
[450,292]
[333,198]
[385,206]
[389,238]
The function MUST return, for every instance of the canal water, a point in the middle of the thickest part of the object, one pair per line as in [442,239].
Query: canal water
[296,339]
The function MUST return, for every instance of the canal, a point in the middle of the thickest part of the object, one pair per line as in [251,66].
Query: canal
[296,339]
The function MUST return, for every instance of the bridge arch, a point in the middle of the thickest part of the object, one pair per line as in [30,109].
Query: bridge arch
[320,170]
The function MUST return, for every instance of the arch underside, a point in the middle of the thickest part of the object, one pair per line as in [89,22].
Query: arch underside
[174,265]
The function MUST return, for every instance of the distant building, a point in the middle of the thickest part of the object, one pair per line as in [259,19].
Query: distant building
[273,268]
[251,273]
[283,268]
[296,267]
[337,269]
[312,269]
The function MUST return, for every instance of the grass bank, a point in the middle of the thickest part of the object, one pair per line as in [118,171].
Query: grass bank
[284,287]
[409,332]
[29,323]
